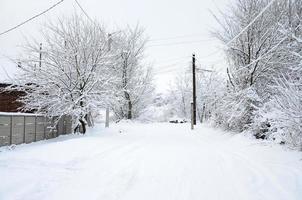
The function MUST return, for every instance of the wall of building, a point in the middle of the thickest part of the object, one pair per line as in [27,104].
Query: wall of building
[9,99]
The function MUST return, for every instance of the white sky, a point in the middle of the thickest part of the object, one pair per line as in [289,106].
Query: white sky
[162,19]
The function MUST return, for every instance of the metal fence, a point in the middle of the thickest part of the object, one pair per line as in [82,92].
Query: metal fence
[18,128]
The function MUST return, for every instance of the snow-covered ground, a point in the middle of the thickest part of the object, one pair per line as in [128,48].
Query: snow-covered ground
[132,161]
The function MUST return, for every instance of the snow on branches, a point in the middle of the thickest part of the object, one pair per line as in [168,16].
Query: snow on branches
[264,71]
[133,83]
[72,72]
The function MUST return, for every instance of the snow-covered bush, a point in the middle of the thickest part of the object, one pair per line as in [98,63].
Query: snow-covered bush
[236,109]
[281,117]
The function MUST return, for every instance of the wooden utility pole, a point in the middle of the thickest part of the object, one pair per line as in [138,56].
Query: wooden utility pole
[109,41]
[192,118]
[194,88]
[107,108]
[40,57]
[107,117]
[290,12]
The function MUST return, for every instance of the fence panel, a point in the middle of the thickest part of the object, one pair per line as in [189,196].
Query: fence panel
[68,124]
[49,128]
[60,126]
[17,129]
[30,127]
[18,133]
[40,128]
[5,130]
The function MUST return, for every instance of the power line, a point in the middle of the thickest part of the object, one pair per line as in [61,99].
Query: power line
[172,65]
[244,29]
[176,37]
[173,70]
[170,71]
[82,9]
[182,61]
[228,43]
[17,26]
[172,62]
[172,59]
[177,43]
[268,52]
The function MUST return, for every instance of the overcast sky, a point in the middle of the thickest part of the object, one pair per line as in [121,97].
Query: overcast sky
[176,29]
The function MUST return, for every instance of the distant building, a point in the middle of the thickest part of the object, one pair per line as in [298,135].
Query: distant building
[9,99]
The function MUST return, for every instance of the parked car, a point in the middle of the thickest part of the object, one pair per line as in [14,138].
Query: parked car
[176,120]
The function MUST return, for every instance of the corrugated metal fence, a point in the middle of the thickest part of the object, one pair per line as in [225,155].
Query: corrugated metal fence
[18,128]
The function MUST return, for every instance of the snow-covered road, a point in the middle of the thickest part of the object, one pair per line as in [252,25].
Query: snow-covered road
[132,161]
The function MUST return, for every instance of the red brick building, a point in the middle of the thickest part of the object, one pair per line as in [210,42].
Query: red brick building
[9,99]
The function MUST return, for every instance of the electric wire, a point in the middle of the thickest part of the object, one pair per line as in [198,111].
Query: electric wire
[28,20]
[177,43]
[82,9]
[175,37]
[251,23]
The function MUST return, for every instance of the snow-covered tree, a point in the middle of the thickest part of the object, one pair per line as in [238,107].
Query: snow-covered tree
[180,96]
[133,84]
[280,117]
[72,75]
[264,67]
[210,89]
[252,56]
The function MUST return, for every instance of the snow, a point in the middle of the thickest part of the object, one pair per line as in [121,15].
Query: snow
[19,114]
[155,161]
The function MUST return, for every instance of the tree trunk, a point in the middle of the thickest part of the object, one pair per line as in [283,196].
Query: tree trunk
[83,124]
[125,82]
[129,109]
[78,127]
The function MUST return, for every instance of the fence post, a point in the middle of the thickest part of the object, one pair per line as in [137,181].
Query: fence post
[35,128]
[107,118]
[11,131]
[24,125]
[64,124]
[58,128]
[52,128]
[44,130]
[55,131]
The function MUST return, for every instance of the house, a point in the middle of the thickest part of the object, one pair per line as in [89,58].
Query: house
[9,99]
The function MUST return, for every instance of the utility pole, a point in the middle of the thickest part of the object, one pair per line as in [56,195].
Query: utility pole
[290,12]
[194,88]
[192,118]
[107,108]
[107,117]
[40,57]
[109,41]
[109,49]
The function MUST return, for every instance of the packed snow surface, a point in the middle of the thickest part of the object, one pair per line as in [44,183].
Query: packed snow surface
[132,161]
